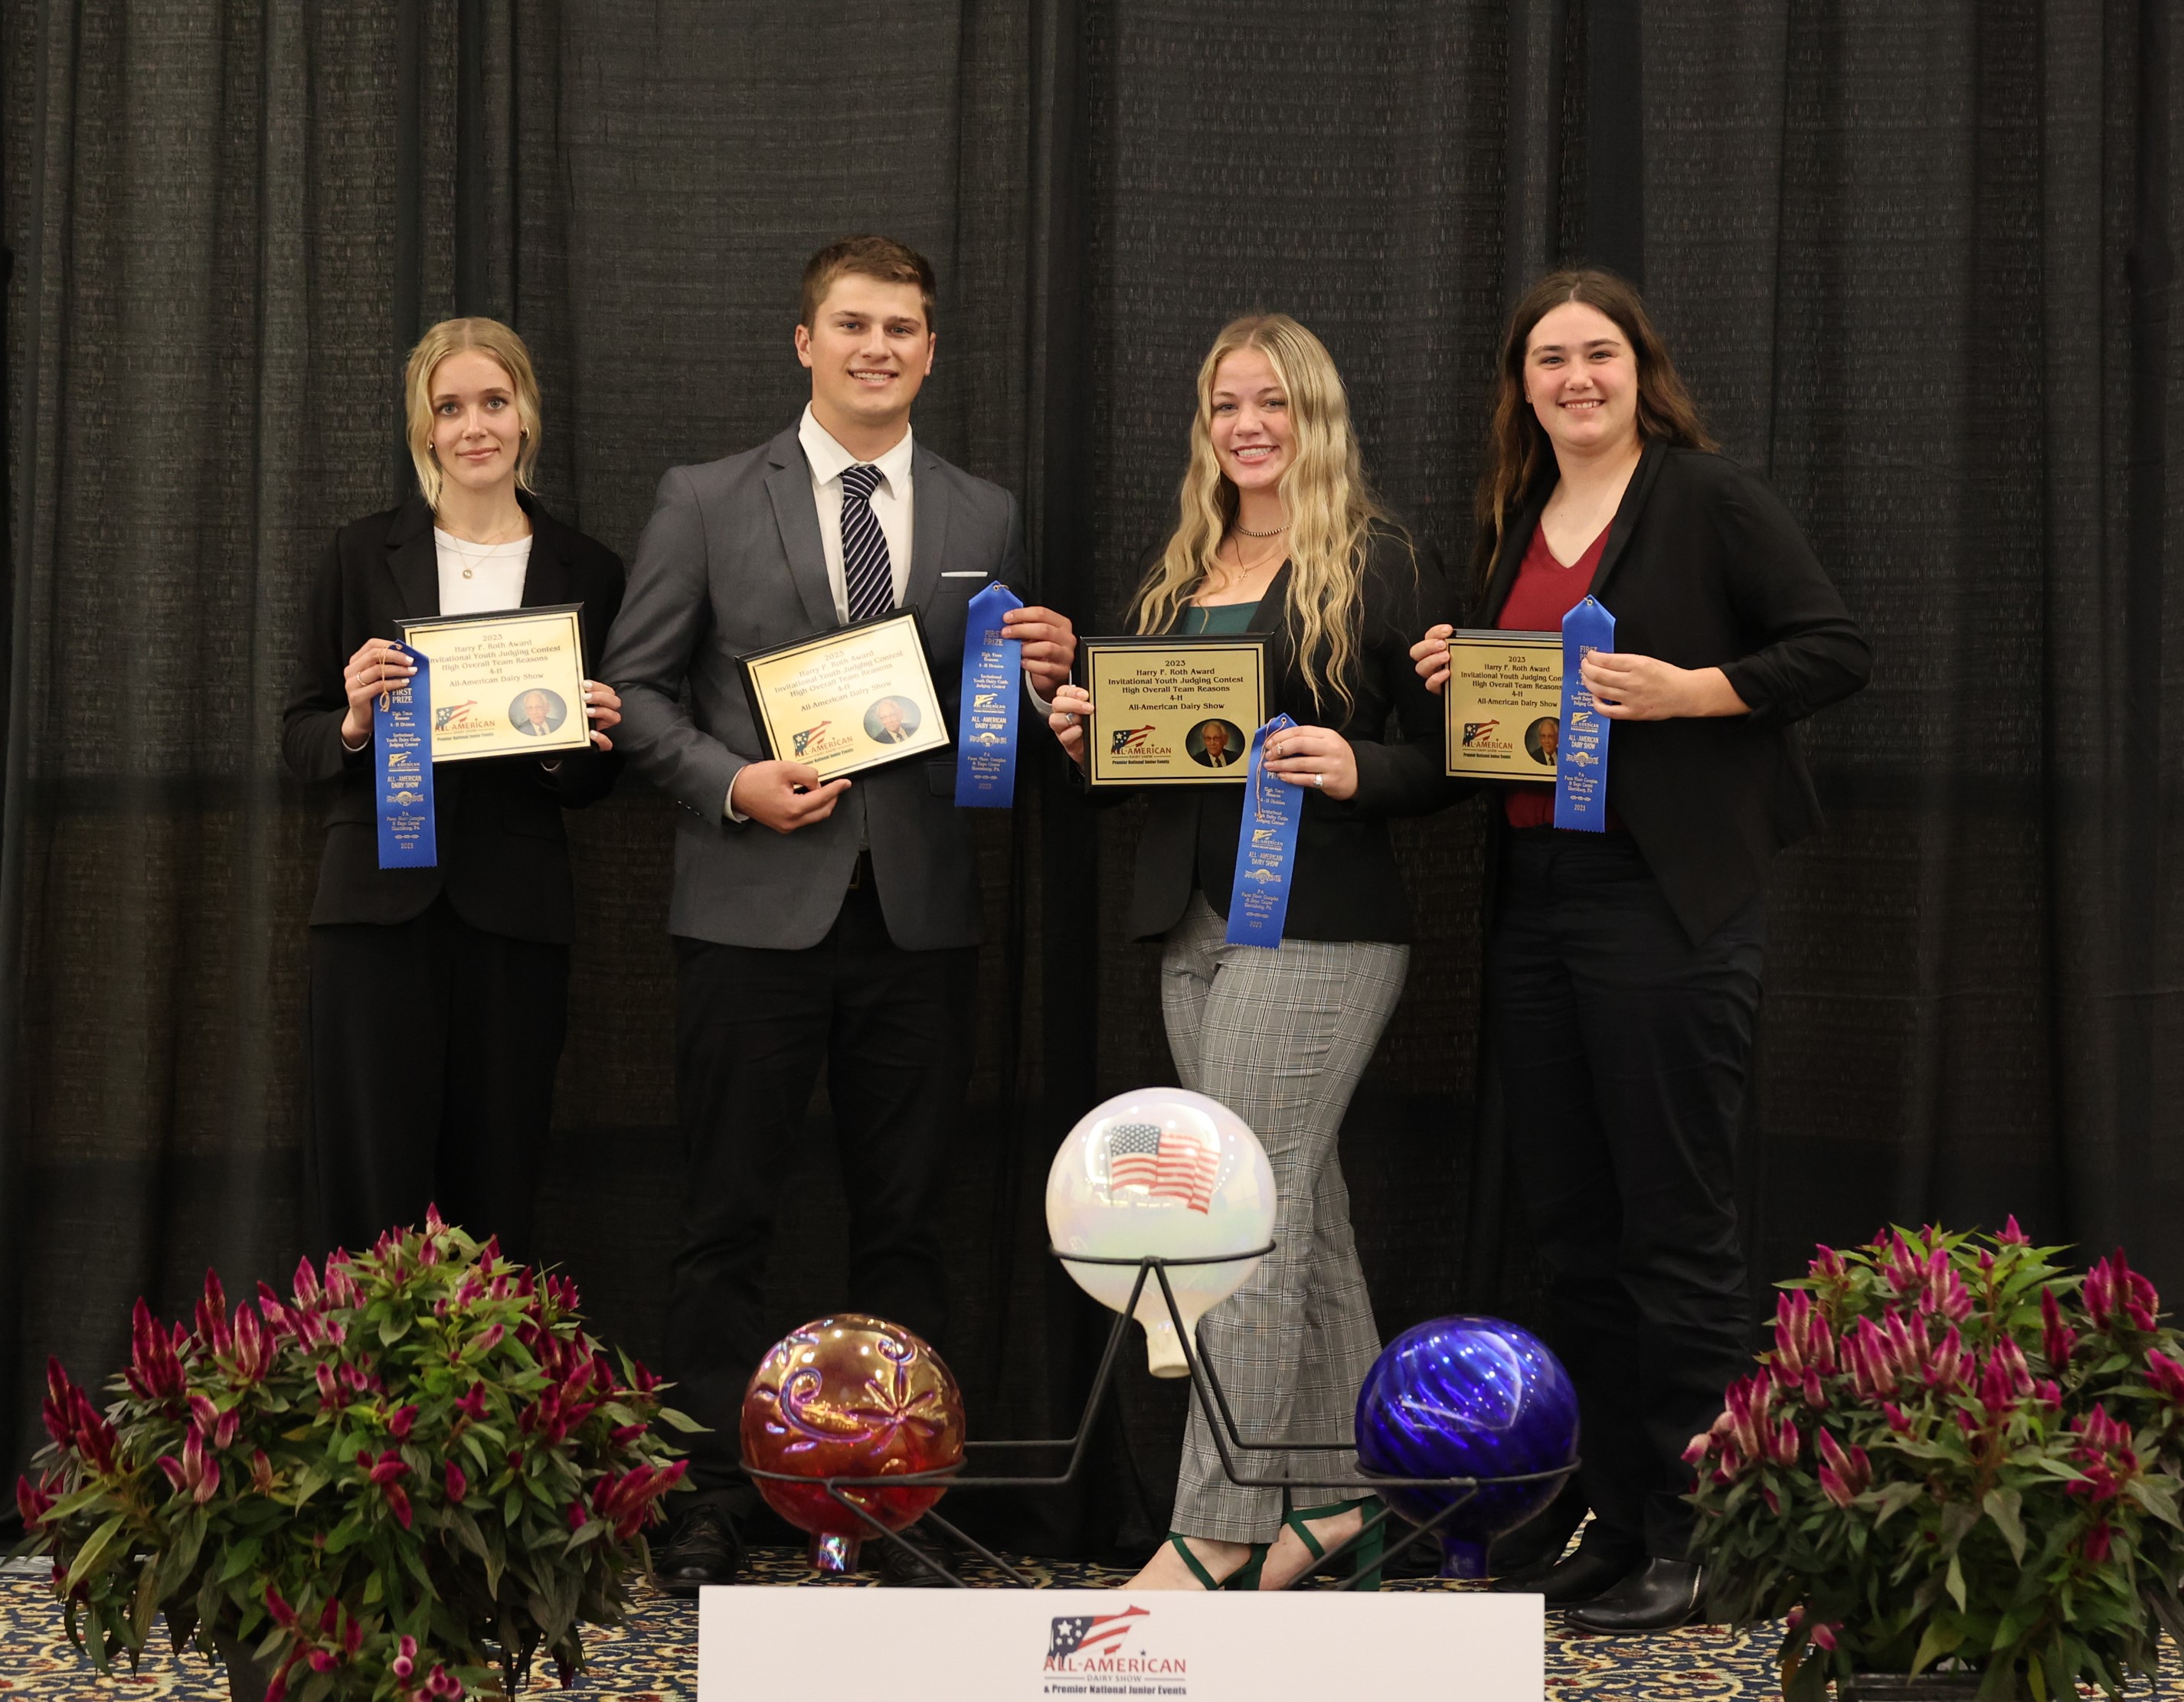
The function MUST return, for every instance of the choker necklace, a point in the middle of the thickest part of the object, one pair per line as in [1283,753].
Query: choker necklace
[1246,532]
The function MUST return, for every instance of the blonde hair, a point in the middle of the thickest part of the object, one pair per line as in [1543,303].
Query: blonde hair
[488,337]
[1330,507]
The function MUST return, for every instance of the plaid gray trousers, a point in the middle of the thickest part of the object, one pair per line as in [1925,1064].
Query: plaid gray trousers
[1281,1037]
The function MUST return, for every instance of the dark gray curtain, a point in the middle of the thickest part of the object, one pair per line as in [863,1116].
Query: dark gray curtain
[203,212]
[1915,261]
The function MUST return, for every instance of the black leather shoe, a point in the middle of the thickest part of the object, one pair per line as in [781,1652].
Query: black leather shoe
[1660,1596]
[900,1569]
[703,1548]
[1585,1575]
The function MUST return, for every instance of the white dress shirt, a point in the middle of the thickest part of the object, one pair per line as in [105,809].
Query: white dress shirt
[479,578]
[890,503]
[890,506]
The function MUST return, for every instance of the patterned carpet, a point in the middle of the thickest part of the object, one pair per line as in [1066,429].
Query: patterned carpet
[654,1659]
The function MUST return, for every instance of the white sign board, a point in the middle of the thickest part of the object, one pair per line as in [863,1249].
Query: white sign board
[1008,1645]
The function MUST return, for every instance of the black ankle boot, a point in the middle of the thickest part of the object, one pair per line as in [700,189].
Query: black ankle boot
[1659,1596]
[1584,1576]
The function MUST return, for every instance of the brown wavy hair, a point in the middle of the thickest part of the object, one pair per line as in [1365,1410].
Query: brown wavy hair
[1517,449]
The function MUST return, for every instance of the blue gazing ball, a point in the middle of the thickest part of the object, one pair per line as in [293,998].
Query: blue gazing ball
[1467,1397]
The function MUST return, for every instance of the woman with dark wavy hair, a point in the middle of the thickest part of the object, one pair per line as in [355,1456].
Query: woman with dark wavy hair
[1622,967]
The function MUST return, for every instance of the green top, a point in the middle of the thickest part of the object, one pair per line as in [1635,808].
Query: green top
[1223,617]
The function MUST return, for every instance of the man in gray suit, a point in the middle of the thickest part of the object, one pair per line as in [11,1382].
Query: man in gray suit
[836,922]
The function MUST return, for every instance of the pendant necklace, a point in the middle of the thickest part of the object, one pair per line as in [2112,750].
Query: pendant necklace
[471,557]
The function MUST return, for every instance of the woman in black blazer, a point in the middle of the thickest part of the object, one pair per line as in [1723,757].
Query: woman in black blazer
[1623,968]
[1278,535]
[439,995]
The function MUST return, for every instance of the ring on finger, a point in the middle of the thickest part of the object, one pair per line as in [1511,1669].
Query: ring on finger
[1320,781]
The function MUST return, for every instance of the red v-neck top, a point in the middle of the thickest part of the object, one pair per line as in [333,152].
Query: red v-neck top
[1544,593]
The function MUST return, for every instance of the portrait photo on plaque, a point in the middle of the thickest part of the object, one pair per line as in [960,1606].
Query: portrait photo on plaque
[892,721]
[1216,744]
[506,684]
[539,713]
[1174,711]
[850,699]
[1504,703]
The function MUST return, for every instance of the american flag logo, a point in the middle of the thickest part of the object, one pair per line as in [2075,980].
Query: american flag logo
[1126,736]
[1173,1164]
[1475,730]
[1083,1634]
[803,740]
[442,717]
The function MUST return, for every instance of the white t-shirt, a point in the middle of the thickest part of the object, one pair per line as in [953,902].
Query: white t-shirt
[479,578]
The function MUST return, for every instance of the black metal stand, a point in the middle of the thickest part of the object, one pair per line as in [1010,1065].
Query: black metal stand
[1220,1423]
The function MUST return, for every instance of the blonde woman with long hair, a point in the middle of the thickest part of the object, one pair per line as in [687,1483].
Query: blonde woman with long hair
[438,996]
[1278,534]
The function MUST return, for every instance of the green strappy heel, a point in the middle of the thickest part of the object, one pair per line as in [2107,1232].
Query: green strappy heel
[1245,1577]
[1364,1554]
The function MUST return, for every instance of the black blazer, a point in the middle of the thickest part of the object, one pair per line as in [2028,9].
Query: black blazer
[1704,568]
[503,855]
[1345,885]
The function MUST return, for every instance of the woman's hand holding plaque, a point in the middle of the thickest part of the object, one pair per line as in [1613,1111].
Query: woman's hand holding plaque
[1072,717]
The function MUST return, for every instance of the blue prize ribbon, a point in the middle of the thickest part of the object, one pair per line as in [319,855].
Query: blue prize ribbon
[993,668]
[402,771]
[1265,847]
[1581,762]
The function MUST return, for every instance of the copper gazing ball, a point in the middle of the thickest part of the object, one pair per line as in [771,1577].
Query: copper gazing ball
[851,1396]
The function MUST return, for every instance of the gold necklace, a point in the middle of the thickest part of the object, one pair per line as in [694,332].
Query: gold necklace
[1244,572]
[1246,569]
[486,546]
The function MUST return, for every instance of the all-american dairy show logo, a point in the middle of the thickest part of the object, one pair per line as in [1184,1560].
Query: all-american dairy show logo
[814,743]
[1482,733]
[455,718]
[1103,1655]
[1132,739]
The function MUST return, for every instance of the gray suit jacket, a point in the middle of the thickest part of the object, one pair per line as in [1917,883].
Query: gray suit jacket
[730,563]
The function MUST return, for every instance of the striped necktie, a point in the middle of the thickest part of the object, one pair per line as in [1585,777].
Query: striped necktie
[866,572]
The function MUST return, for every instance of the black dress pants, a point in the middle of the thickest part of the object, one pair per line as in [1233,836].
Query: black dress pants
[433,1048]
[752,1029]
[1623,1048]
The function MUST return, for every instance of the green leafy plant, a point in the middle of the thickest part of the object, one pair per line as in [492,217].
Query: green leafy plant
[1955,1452]
[388,1485]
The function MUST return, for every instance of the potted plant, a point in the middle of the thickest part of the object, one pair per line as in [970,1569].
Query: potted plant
[1956,1470]
[407,1474]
